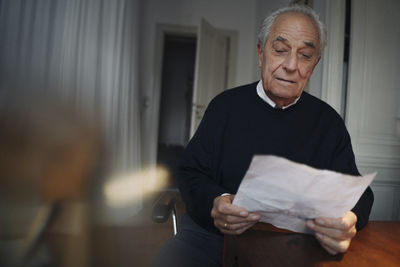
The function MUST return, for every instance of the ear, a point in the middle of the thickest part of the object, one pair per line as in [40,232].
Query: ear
[260,55]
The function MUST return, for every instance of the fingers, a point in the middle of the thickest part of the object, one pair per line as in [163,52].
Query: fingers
[334,234]
[223,210]
[344,223]
[237,222]
[223,205]
[338,228]
[231,219]
[235,225]
[236,229]
[331,245]
[252,217]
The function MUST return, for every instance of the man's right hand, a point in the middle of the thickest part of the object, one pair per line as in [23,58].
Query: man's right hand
[231,219]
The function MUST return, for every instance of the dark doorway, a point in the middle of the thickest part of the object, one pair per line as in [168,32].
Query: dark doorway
[179,54]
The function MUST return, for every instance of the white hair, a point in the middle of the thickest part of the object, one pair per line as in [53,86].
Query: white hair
[309,12]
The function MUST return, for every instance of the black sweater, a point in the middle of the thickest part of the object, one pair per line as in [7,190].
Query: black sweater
[239,124]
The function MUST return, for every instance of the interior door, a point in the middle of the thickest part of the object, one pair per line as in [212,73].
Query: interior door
[211,70]
[373,102]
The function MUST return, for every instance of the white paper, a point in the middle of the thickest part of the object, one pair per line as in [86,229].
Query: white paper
[286,194]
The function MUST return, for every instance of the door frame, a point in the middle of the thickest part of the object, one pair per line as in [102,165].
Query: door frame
[161,31]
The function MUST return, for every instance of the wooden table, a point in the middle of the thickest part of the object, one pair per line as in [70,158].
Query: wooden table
[378,244]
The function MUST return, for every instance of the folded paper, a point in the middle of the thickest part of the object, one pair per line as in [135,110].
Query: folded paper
[286,194]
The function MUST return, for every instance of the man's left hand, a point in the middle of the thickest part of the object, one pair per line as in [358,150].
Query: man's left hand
[334,234]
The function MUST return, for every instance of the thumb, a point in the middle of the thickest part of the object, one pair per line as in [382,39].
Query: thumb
[233,209]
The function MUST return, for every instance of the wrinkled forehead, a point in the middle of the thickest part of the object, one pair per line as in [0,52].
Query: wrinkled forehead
[297,25]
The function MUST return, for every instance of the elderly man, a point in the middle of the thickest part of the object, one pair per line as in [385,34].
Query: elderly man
[273,116]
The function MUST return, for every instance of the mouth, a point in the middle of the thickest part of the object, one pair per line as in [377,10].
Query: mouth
[284,80]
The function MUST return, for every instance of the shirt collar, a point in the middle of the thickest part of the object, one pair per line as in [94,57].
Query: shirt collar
[261,93]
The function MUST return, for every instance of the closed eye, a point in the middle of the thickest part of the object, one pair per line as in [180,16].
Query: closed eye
[306,56]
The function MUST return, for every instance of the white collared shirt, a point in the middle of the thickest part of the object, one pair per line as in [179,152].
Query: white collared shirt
[261,93]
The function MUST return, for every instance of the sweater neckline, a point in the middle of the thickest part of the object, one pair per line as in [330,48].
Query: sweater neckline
[268,107]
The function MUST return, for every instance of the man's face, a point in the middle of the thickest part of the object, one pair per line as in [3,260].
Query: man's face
[289,57]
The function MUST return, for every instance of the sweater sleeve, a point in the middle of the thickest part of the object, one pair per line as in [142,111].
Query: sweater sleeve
[196,175]
[344,162]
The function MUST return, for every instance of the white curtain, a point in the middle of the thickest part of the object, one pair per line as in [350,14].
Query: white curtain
[86,51]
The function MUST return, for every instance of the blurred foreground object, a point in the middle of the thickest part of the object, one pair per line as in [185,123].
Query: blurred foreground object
[125,190]
[48,151]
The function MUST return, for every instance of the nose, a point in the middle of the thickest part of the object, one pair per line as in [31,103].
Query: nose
[290,62]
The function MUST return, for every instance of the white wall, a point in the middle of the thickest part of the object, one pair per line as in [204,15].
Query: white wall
[373,111]
[315,84]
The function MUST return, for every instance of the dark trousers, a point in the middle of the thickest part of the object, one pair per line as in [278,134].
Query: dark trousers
[193,246]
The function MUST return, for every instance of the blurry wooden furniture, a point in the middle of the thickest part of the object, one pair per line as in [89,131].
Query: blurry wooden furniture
[378,244]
